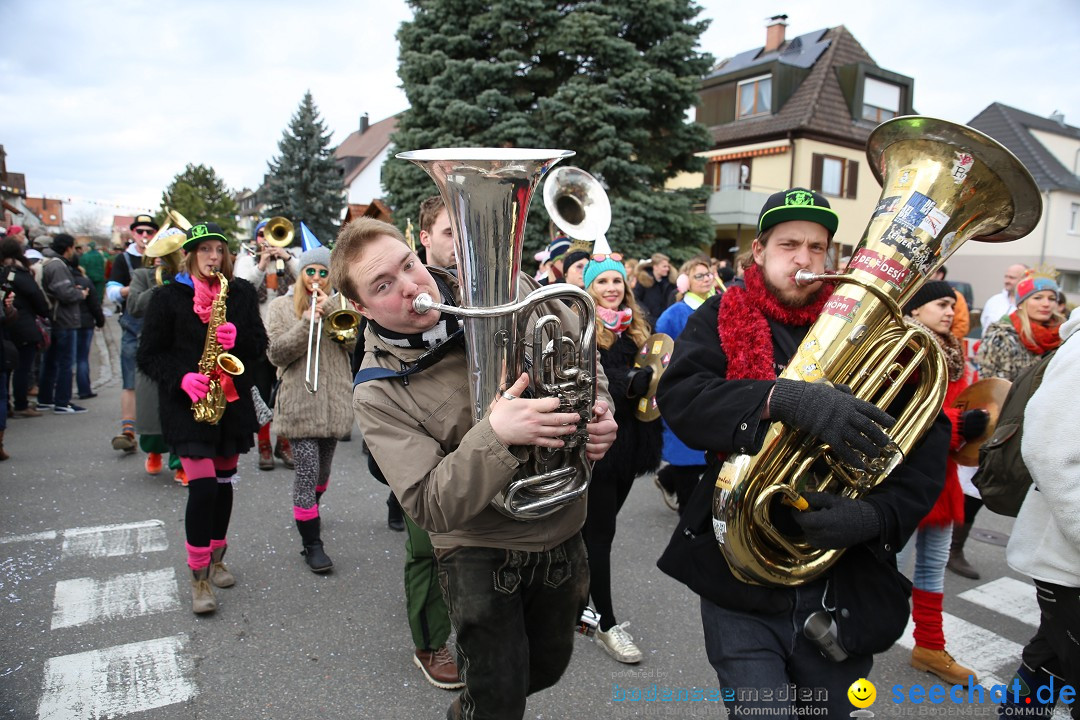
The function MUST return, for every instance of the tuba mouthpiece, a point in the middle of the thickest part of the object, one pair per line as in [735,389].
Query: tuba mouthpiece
[422,303]
[809,277]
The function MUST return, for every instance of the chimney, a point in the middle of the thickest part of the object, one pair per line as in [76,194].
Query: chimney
[774,32]
[1058,117]
[363,123]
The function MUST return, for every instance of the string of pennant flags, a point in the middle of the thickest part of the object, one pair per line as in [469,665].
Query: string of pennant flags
[74,198]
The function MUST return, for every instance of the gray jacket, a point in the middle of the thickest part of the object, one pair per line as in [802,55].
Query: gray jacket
[58,280]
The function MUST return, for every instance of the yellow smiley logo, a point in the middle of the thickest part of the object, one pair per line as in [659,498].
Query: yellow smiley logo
[862,693]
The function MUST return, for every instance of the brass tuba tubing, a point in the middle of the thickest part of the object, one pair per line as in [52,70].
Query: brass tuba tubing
[311,370]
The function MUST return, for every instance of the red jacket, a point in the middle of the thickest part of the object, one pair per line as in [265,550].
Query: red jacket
[949,508]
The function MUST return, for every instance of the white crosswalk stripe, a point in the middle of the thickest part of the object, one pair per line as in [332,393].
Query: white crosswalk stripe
[115,681]
[1008,596]
[118,680]
[88,600]
[114,540]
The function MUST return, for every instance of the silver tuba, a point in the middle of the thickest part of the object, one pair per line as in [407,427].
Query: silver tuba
[487,192]
[577,204]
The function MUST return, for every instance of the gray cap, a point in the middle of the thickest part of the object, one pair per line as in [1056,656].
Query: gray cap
[315,256]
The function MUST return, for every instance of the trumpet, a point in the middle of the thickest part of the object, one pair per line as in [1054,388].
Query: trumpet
[340,325]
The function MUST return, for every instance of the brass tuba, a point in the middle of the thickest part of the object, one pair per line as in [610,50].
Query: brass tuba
[942,183]
[487,192]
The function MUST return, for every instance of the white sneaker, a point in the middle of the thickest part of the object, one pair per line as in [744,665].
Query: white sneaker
[669,497]
[619,644]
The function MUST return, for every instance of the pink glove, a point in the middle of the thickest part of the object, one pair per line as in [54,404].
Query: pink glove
[226,335]
[196,385]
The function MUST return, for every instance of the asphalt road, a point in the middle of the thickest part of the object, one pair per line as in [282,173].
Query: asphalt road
[95,603]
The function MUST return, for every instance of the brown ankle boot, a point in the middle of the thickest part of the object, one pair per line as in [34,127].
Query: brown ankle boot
[219,574]
[266,456]
[3,455]
[283,450]
[942,664]
[202,595]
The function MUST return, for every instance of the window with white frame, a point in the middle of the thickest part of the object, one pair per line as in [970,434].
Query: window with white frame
[1074,218]
[881,100]
[755,96]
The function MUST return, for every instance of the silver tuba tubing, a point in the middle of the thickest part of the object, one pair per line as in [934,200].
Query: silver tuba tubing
[486,192]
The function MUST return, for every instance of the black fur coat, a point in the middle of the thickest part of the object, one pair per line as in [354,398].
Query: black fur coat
[170,346]
[636,449]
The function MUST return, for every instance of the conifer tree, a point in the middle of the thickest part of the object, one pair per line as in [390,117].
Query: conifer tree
[610,80]
[199,194]
[305,182]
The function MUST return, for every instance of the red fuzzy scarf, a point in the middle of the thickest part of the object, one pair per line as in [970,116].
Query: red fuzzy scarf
[744,328]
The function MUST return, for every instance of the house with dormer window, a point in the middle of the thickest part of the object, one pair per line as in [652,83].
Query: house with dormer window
[1050,150]
[795,112]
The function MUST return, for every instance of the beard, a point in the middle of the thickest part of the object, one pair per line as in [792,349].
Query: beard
[789,297]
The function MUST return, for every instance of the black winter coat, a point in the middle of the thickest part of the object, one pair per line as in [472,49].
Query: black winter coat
[636,449]
[170,346]
[90,313]
[30,302]
[711,413]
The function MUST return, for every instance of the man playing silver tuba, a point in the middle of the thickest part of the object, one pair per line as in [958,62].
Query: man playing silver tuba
[515,589]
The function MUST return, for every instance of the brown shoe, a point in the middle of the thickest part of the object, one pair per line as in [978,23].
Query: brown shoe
[27,412]
[202,595]
[124,441]
[942,664]
[219,573]
[266,456]
[283,450]
[439,668]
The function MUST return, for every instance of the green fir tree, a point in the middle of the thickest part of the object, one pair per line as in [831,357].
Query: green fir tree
[610,80]
[305,182]
[200,195]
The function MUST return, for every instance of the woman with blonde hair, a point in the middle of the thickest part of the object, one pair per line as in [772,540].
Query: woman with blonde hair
[621,331]
[696,284]
[313,421]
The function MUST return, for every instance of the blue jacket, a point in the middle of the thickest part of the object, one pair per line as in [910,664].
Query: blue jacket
[675,451]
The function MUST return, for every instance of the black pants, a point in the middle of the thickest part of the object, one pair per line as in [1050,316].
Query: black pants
[514,613]
[1054,653]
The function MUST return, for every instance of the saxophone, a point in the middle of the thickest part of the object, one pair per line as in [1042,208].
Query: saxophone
[215,361]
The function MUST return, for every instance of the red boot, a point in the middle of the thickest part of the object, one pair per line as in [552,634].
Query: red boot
[266,455]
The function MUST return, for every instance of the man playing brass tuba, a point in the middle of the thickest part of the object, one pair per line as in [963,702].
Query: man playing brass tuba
[517,631]
[720,394]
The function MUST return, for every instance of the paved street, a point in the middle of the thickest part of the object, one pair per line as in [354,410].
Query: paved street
[96,621]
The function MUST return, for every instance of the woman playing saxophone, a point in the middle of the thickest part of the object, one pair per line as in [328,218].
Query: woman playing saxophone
[204,311]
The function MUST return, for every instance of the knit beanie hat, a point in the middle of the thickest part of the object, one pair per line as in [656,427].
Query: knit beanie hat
[572,257]
[1033,283]
[928,293]
[315,256]
[607,261]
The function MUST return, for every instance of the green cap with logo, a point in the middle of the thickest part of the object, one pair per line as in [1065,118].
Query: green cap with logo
[797,204]
[204,231]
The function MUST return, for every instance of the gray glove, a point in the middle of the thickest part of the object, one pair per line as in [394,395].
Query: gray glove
[833,415]
[836,521]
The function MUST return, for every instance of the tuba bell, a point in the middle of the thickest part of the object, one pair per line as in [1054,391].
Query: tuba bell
[486,192]
[943,184]
[577,203]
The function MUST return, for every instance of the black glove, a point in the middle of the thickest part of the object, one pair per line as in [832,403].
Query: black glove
[639,381]
[973,424]
[835,416]
[837,521]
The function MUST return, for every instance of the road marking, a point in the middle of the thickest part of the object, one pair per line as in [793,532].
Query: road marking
[982,650]
[88,600]
[114,540]
[118,680]
[32,537]
[1007,596]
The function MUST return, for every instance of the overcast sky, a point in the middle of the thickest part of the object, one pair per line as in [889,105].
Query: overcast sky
[104,102]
